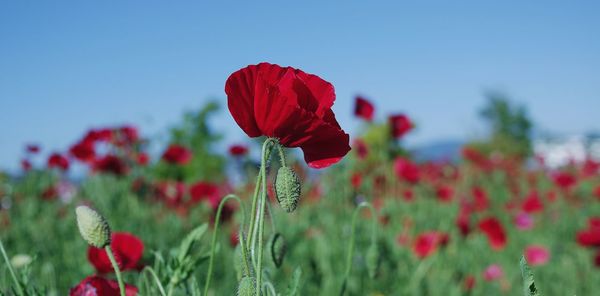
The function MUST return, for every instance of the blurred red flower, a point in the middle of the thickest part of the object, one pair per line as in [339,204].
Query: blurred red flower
[408,195]
[400,124]
[363,109]
[98,135]
[564,180]
[110,164]
[205,191]
[523,221]
[26,165]
[127,248]
[597,191]
[533,203]
[537,255]
[177,154]
[494,232]
[143,159]
[356,180]
[480,199]
[238,150]
[590,237]
[406,170]
[469,283]
[427,242]
[463,220]
[444,193]
[32,148]
[171,193]
[291,105]
[99,286]
[83,151]
[58,161]
[361,148]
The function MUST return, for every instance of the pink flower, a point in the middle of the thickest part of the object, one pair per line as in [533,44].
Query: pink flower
[493,272]
[523,221]
[537,255]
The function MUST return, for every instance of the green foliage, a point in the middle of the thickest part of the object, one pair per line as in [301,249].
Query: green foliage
[510,126]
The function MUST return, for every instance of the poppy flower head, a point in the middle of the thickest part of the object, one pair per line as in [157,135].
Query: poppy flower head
[406,170]
[26,165]
[564,180]
[57,160]
[523,221]
[290,105]
[83,151]
[127,248]
[361,148]
[532,203]
[493,272]
[32,148]
[363,109]
[110,164]
[205,191]
[99,286]
[238,150]
[427,243]
[400,125]
[590,237]
[177,154]
[494,232]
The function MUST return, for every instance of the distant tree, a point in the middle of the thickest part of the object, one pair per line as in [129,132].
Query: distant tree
[510,126]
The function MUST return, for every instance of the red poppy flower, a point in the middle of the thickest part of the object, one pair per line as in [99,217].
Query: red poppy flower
[26,165]
[356,180]
[493,272]
[444,193]
[205,191]
[406,170]
[143,159]
[564,180]
[427,242]
[171,192]
[126,135]
[590,237]
[537,255]
[177,154]
[127,248]
[480,199]
[590,168]
[83,151]
[533,203]
[110,164]
[32,148]
[463,220]
[408,195]
[291,105]
[476,157]
[50,193]
[99,286]
[361,148]
[98,135]
[494,232]
[238,150]
[469,283]
[58,161]
[364,109]
[400,125]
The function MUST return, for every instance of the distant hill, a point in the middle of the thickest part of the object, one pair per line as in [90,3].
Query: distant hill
[439,150]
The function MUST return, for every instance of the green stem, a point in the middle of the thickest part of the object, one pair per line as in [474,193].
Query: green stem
[12,272]
[363,204]
[254,209]
[261,216]
[115,265]
[214,239]
[155,277]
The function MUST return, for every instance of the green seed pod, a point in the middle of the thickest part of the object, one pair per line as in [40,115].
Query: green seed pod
[247,286]
[372,258]
[239,267]
[93,227]
[287,189]
[277,248]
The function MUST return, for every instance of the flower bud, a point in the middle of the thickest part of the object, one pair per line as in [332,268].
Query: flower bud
[93,227]
[247,286]
[372,258]
[287,189]
[277,248]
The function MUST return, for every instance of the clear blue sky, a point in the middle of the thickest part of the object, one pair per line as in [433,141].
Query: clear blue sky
[66,66]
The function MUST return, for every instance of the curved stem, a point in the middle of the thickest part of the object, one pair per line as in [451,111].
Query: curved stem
[115,265]
[363,204]
[156,280]
[214,237]
[12,272]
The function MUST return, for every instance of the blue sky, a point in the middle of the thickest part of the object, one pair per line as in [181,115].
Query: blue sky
[66,66]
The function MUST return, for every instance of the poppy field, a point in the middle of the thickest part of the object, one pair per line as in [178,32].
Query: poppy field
[301,207]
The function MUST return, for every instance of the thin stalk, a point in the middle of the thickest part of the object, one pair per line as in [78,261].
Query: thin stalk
[155,277]
[12,272]
[363,204]
[111,257]
[214,238]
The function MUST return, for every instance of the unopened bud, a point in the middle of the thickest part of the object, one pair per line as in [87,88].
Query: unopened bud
[287,188]
[93,227]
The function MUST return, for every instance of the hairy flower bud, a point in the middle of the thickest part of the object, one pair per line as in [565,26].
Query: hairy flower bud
[247,286]
[372,258]
[277,249]
[287,189]
[93,227]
